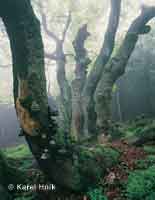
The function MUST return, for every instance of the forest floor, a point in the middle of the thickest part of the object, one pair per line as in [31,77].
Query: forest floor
[133,178]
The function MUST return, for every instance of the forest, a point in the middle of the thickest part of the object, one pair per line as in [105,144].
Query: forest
[77,100]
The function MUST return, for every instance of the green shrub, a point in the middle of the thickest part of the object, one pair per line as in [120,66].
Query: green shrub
[141,184]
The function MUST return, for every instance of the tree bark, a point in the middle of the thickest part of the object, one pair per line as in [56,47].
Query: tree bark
[82,62]
[101,61]
[116,66]
[65,89]
[30,96]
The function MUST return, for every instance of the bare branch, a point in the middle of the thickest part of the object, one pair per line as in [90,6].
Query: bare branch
[44,21]
[69,18]
[55,57]
[49,33]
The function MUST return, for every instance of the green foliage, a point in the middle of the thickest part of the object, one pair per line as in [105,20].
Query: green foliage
[141,184]
[96,194]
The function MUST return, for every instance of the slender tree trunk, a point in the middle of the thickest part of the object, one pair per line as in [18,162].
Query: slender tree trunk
[60,58]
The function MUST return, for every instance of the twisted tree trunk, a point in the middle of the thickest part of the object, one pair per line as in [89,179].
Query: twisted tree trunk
[82,62]
[102,59]
[116,66]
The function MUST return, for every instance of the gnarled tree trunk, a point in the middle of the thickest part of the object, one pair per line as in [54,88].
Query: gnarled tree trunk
[82,62]
[102,59]
[116,66]
[70,166]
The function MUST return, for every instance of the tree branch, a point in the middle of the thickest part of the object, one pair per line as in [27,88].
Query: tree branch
[49,33]
[69,18]
[55,57]
[138,27]
[60,57]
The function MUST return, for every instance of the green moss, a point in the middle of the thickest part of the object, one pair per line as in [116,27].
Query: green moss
[18,152]
[96,194]
[141,184]
[106,155]
[149,149]
[116,131]
[111,156]
[93,163]
[151,196]
[20,157]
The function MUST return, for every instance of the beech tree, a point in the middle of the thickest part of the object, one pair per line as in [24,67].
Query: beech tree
[86,102]
[74,163]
